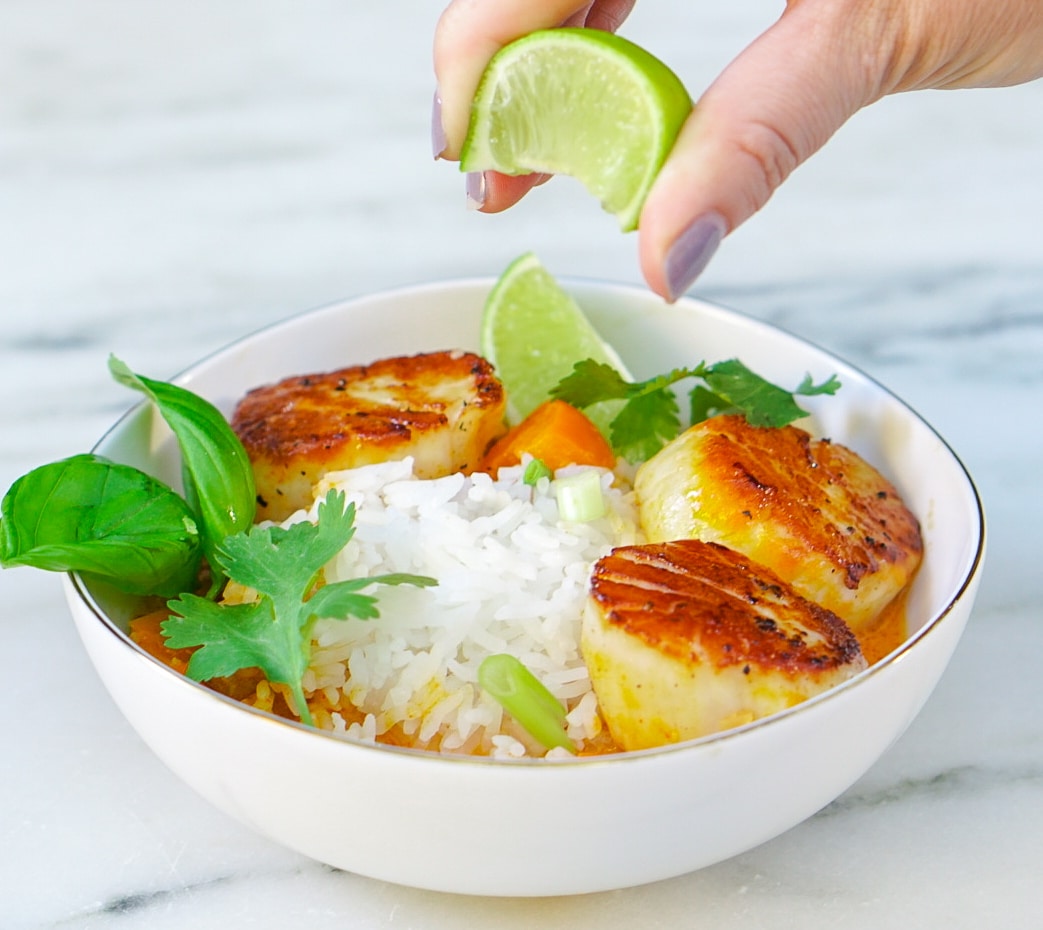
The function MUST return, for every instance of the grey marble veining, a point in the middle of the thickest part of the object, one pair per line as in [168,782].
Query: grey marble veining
[175,176]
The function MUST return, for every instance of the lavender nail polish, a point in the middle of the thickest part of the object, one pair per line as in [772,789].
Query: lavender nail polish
[475,190]
[438,139]
[692,251]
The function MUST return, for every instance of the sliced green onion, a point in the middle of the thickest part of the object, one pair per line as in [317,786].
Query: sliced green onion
[526,699]
[579,496]
[535,470]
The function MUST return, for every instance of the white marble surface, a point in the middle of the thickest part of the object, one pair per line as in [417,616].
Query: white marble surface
[175,175]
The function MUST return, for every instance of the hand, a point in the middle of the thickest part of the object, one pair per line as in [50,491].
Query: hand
[468,35]
[771,108]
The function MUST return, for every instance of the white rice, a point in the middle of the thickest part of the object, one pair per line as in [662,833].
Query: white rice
[512,578]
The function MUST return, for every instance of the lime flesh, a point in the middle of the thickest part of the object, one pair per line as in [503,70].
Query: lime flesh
[579,102]
[533,333]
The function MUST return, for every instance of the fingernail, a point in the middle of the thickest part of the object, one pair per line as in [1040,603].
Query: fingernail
[475,190]
[691,252]
[438,139]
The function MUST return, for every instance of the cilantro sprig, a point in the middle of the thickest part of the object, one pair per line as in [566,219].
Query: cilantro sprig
[116,523]
[283,566]
[651,417]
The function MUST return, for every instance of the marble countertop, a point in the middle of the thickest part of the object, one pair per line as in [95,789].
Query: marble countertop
[173,176]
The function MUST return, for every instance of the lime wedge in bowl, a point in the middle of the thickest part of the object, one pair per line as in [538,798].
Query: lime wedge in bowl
[533,333]
[579,102]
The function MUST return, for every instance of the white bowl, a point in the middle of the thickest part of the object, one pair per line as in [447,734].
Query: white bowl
[537,828]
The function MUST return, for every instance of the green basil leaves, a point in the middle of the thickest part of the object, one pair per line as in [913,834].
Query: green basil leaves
[112,521]
[90,515]
[218,479]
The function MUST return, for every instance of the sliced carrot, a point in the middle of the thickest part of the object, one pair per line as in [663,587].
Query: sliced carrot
[557,434]
[147,632]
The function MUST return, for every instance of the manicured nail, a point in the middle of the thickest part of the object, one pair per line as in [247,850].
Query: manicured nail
[691,252]
[438,139]
[475,189]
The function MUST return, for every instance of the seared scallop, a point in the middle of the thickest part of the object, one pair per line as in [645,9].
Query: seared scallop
[812,511]
[683,639]
[441,408]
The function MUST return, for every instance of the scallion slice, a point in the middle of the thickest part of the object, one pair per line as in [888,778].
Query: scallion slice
[526,699]
[579,496]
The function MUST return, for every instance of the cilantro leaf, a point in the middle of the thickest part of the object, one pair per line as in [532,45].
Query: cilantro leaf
[590,383]
[760,401]
[283,566]
[341,599]
[704,403]
[283,563]
[807,387]
[649,417]
[229,637]
[642,427]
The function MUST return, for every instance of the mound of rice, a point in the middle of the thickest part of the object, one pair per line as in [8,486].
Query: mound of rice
[512,578]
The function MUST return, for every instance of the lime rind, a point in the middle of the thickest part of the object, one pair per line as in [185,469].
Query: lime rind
[579,102]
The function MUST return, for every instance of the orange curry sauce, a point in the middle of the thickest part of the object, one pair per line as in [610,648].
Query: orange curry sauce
[250,687]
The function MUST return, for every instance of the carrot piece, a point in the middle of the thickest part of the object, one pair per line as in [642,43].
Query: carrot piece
[557,434]
[147,632]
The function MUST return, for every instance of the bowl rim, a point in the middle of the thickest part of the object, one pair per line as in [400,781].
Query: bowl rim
[77,587]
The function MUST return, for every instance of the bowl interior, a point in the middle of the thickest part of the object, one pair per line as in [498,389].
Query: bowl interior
[651,337]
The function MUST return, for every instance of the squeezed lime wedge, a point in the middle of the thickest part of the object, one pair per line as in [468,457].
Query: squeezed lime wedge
[533,332]
[578,102]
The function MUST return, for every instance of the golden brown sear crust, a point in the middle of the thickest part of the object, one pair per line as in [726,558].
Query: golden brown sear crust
[703,602]
[687,638]
[441,408]
[813,511]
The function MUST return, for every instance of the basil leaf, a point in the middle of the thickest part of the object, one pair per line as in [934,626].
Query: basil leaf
[219,481]
[105,520]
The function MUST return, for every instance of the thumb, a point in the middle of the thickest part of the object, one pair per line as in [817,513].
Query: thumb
[772,108]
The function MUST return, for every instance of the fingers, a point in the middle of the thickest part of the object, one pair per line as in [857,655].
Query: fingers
[492,192]
[775,105]
[470,32]
[783,98]
[607,15]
